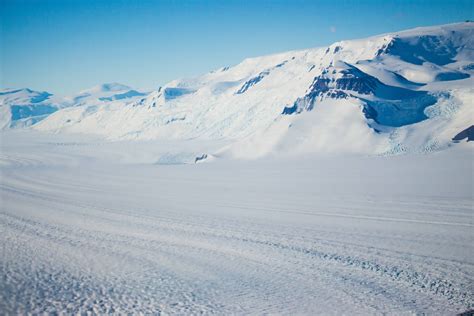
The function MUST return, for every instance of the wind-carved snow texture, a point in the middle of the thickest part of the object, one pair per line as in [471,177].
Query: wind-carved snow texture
[124,234]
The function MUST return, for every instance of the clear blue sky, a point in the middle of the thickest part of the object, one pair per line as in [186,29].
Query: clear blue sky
[63,46]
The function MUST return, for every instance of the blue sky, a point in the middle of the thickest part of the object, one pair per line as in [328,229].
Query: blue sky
[64,46]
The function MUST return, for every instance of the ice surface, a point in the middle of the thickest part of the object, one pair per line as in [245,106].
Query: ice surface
[100,227]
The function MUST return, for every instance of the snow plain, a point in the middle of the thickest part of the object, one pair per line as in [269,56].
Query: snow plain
[89,225]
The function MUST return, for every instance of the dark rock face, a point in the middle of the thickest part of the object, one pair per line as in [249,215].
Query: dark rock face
[253,81]
[175,119]
[355,80]
[351,78]
[320,85]
[281,64]
[290,110]
[328,85]
[200,158]
[467,133]
[386,105]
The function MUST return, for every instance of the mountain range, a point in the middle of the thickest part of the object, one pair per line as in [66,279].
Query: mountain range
[409,91]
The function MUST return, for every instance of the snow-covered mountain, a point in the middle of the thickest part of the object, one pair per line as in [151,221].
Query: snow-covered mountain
[398,92]
[103,93]
[25,107]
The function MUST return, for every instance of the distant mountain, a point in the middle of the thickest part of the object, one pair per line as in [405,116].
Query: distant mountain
[104,93]
[25,107]
[399,92]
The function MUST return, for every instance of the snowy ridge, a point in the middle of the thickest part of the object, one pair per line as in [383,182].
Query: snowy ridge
[103,93]
[25,107]
[398,92]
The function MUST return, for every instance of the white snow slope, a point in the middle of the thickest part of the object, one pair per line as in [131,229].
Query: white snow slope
[409,91]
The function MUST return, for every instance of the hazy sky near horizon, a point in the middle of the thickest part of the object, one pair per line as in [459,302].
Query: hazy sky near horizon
[63,46]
